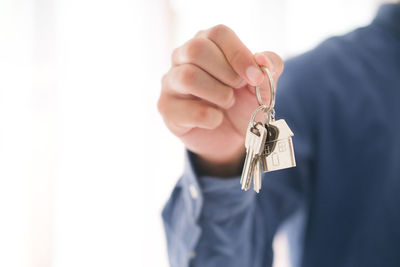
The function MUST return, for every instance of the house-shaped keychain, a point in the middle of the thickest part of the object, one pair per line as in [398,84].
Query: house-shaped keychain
[278,152]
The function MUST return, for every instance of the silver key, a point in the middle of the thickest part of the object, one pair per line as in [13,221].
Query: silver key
[248,162]
[254,142]
[257,175]
[248,159]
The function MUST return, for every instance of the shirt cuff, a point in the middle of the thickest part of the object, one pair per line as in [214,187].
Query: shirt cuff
[214,198]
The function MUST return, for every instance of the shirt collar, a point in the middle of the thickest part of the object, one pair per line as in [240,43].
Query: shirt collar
[388,16]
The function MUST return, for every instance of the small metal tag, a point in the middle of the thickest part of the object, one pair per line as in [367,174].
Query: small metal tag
[278,150]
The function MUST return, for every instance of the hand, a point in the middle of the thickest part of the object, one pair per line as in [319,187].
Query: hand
[208,96]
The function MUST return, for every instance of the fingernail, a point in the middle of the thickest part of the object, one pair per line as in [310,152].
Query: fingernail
[254,75]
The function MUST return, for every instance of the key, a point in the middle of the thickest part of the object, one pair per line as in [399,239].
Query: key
[257,175]
[248,162]
[254,142]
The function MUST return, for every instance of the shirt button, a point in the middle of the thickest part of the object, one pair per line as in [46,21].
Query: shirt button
[193,192]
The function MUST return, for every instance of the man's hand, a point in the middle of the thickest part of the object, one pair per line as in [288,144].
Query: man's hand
[208,96]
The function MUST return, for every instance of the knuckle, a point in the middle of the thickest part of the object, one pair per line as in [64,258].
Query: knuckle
[200,114]
[199,33]
[217,30]
[160,105]
[174,55]
[195,48]
[164,80]
[188,75]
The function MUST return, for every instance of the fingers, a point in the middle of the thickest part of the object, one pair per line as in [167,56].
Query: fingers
[189,79]
[181,115]
[199,86]
[236,53]
[219,52]
[205,54]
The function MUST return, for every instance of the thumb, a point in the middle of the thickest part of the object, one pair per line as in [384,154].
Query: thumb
[271,61]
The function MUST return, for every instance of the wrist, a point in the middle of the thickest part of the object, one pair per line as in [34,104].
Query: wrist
[205,166]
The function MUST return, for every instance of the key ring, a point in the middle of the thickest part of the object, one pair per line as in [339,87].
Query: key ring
[253,116]
[273,91]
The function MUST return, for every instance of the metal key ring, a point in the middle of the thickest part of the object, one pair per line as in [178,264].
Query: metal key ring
[258,109]
[273,90]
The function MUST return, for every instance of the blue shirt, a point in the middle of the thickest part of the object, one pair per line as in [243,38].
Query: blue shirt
[342,101]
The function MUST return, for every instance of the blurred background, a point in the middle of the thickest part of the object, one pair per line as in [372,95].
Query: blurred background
[86,163]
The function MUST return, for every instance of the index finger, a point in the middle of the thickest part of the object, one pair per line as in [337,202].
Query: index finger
[237,54]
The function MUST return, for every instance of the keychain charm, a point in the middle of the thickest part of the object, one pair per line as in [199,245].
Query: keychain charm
[269,145]
[278,150]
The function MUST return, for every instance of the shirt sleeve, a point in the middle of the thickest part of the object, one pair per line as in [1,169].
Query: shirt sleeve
[202,216]
[210,221]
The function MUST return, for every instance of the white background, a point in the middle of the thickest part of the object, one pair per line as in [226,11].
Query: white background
[86,163]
